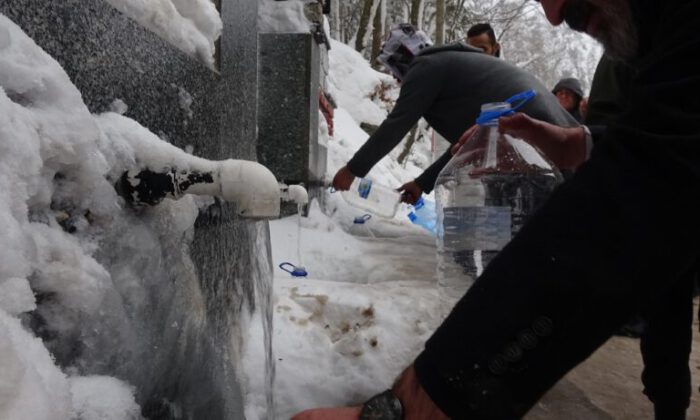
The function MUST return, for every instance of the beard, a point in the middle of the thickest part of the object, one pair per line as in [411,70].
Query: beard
[616,30]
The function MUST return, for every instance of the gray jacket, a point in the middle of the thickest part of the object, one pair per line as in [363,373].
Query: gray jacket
[447,86]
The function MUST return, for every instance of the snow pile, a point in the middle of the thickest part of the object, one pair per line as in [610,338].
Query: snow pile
[191,25]
[103,398]
[283,16]
[76,268]
[31,386]
[356,87]
[345,332]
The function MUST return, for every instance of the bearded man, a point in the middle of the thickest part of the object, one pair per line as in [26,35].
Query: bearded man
[618,238]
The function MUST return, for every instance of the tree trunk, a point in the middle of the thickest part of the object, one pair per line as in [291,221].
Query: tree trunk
[368,10]
[409,144]
[335,20]
[416,13]
[378,33]
[439,22]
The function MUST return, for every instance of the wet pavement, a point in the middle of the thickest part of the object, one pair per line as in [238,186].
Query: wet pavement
[608,386]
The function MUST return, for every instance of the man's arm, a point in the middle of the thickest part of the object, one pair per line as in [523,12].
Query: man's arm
[427,179]
[419,90]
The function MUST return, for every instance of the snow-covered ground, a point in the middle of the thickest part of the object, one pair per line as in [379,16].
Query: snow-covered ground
[370,300]
[191,25]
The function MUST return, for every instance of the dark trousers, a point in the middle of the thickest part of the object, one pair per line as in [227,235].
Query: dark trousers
[666,345]
[615,240]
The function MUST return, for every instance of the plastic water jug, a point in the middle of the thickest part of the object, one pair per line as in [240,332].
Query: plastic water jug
[372,197]
[484,195]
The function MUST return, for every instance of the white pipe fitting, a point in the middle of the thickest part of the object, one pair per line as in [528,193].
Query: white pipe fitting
[251,186]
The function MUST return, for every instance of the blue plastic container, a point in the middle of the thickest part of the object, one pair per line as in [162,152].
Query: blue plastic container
[424,215]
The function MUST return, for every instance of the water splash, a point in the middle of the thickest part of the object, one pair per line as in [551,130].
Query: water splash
[263,290]
[300,208]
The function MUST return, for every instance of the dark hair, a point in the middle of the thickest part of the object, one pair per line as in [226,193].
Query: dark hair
[481,28]
[484,28]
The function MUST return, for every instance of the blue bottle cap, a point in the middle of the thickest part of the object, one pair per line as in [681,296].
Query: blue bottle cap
[412,216]
[293,270]
[419,203]
[360,220]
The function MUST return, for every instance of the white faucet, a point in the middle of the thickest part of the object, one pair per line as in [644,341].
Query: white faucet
[249,184]
[295,193]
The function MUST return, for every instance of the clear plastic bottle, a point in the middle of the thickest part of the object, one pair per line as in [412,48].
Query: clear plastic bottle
[375,198]
[424,215]
[484,195]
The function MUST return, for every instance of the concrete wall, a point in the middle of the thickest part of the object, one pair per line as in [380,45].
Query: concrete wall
[291,78]
[108,57]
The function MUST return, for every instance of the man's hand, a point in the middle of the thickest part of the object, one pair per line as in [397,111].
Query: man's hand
[410,192]
[343,413]
[565,147]
[465,136]
[343,179]
[417,405]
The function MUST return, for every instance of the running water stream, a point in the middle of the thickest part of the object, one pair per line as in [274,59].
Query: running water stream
[300,208]
[263,290]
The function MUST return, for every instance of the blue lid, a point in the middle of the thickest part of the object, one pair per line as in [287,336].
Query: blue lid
[299,272]
[360,220]
[295,271]
[412,216]
[516,102]
[419,203]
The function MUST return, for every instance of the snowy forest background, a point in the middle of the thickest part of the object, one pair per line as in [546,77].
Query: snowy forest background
[527,40]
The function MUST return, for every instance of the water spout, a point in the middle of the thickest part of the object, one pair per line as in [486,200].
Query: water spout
[248,184]
[295,193]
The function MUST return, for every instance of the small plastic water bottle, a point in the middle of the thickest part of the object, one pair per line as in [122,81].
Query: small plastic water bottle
[424,215]
[375,198]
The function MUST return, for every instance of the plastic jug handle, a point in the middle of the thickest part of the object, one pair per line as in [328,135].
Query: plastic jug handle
[516,102]
[287,264]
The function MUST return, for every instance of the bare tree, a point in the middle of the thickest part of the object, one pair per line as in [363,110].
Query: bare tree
[378,32]
[439,22]
[369,8]
[417,13]
[335,20]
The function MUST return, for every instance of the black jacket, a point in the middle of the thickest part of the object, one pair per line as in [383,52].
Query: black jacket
[614,239]
[447,86]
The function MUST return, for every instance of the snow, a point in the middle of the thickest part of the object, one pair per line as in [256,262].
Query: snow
[370,300]
[104,398]
[363,314]
[353,83]
[191,25]
[31,386]
[57,165]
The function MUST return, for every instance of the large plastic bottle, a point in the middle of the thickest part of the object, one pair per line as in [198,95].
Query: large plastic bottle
[424,215]
[484,195]
[375,198]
